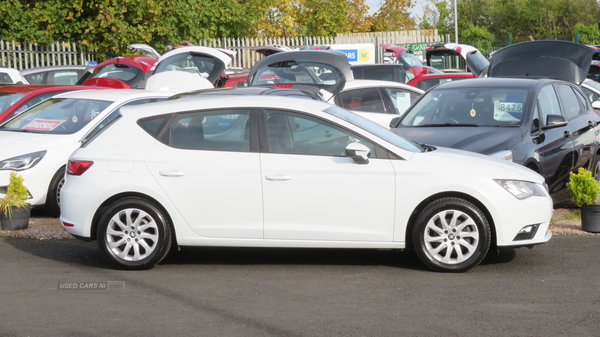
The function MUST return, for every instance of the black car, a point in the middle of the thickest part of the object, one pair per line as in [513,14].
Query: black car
[545,124]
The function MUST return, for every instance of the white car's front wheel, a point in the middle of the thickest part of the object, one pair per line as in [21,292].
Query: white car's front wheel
[134,234]
[451,235]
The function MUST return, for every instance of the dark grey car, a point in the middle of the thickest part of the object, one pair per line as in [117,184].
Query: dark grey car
[545,124]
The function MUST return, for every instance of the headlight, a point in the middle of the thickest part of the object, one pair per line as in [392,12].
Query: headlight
[522,189]
[504,154]
[23,162]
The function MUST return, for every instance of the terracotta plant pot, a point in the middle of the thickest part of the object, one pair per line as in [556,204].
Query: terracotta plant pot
[590,218]
[19,220]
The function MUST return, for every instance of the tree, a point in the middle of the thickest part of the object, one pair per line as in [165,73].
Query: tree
[393,15]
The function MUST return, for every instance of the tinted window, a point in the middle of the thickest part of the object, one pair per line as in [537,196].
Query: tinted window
[292,72]
[548,103]
[128,74]
[582,99]
[569,101]
[4,78]
[111,117]
[367,100]
[293,133]
[35,78]
[432,82]
[213,130]
[154,125]
[469,106]
[591,96]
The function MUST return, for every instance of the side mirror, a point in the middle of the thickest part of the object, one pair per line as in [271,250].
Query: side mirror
[554,121]
[359,152]
[596,106]
[395,121]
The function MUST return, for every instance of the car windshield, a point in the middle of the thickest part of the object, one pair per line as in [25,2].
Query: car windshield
[123,72]
[8,99]
[292,72]
[468,107]
[374,129]
[57,116]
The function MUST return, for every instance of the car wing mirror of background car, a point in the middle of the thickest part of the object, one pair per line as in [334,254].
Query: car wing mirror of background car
[554,121]
[359,152]
[596,106]
[395,121]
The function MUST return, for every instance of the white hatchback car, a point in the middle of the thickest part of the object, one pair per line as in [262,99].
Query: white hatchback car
[263,171]
[38,142]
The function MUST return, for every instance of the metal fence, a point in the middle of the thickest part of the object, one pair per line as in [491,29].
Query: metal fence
[244,57]
[32,55]
[21,55]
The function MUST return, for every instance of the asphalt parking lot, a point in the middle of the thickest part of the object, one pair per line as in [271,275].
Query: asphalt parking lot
[551,290]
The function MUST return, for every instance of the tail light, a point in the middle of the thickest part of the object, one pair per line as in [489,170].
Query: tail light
[282,85]
[78,167]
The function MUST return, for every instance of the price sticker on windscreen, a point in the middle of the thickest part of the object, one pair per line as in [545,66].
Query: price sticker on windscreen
[507,111]
[43,124]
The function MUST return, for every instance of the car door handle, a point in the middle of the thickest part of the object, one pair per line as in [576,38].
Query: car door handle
[171,173]
[567,134]
[277,177]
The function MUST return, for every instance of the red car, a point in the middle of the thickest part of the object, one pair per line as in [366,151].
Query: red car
[120,72]
[427,81]
[17,98]
[406,57]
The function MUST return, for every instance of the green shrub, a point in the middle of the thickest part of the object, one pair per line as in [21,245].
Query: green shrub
[16,194]
[583,187]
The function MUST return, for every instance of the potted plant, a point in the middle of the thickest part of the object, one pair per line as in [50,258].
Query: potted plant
[584,192]
[14,210]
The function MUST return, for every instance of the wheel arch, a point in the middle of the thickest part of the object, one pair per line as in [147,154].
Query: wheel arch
[464,196]
[136,195]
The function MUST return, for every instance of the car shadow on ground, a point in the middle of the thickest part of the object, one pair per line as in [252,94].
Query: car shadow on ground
[62,250]
[88,254]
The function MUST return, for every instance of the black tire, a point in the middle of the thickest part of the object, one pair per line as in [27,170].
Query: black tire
[445,247]
[144,242]
[52,207]
[596,168]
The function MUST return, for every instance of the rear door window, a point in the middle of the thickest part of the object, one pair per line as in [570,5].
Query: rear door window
[570,103]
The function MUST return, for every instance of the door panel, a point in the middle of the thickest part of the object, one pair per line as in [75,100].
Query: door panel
[210,175]
[311,191]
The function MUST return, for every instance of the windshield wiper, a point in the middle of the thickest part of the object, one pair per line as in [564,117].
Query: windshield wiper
[428,148]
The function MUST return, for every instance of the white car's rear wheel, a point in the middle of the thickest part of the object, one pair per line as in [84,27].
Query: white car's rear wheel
[134,234]
[451,235]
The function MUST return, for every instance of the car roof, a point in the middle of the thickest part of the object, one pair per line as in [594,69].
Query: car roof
[114,94]
[496,82]
[378,65]
[376,83]
[30,88]
[444,75]
[276,102]
[41,69]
